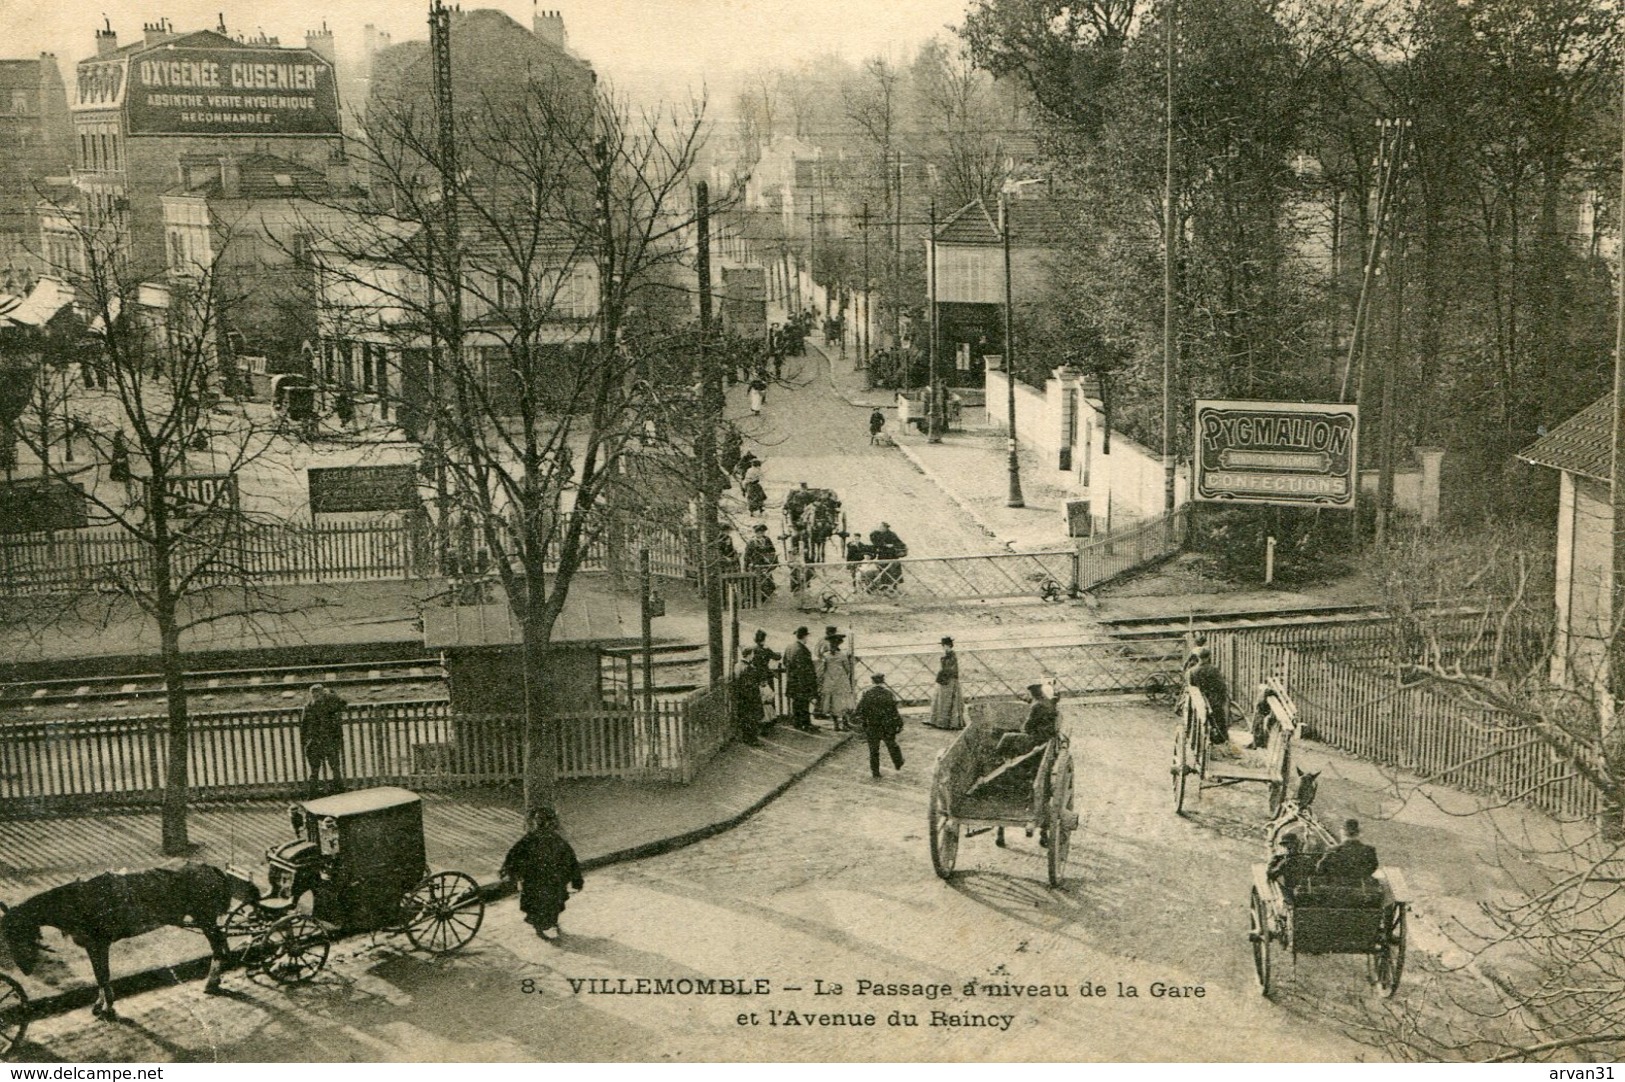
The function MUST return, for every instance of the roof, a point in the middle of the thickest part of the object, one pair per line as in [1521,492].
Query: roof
[21,74]
[48,297]
[259,176]
[1583,444]
[970,224]
[361,802]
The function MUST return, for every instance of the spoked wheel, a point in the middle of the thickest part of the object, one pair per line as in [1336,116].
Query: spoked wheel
[1259,934]
[442,913]
[1061,820]
[1387,962]
[944,833]
[1162,689]
[1181,769]
[13,1014]
[243,926]
[292,950]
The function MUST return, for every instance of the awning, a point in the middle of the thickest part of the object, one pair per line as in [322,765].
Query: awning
[41,306]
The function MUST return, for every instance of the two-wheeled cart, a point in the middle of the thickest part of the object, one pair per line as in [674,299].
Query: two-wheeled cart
[1267,760]
[974,790]
[1325,915]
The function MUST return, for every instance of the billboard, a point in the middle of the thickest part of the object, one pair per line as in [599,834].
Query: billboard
[100,84]
[1294,453]
[342,489]
[214,90]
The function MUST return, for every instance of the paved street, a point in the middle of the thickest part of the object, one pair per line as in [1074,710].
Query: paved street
[833,883]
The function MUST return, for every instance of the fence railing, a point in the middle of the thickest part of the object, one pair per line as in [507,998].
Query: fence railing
[70,766]
[1349,681]
[303,553]
[1084,668]
[825,587]
[1104,558]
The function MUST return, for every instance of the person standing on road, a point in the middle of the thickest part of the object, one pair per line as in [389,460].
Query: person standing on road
[947,705]
[321,732]
[877,424]
[545,867]
[758,395]
[877,713]
[800,681]
[836,694]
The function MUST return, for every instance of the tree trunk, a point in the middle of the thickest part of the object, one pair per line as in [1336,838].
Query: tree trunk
[541,731]
[176,780]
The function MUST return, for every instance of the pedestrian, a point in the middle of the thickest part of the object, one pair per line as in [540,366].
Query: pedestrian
[837,696]
[877,424]
[321,732]
[877,713]
[545,866]
[761,557]
[947,704]
[755,494]
[758,395]
[761,657]
[800,681]
[118,460]
[747,691]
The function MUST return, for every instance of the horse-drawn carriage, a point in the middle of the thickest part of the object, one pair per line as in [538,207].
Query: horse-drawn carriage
[811,517]
[974,789]
[359,859]
[1324,915]
[1274,727]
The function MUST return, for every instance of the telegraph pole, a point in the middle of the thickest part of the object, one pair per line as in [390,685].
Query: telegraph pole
[710,382]
[863,346]
[1608,681]
[1395,131]
[450,330]
[1170,238]
[1016,499]
[933,430]
[897,272]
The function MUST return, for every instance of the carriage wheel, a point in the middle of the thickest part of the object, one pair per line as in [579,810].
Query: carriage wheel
[1061,819]
[13,1014]
[1259,934]
[1162,689]
[242,926]
[292,950]
[1387,962]
[442,913]
[944,833]
[1182,767]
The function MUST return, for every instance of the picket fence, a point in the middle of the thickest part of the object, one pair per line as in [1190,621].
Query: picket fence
[1350,681]
[70,766]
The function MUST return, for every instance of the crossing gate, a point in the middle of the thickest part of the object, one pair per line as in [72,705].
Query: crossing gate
[826,587]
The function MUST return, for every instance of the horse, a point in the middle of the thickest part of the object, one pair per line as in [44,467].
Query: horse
[95,913]
[1297,816]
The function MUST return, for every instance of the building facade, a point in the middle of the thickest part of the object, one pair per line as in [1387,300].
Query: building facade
[35,144]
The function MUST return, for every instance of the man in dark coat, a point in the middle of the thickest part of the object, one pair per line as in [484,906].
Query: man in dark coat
[877,713]
[801,681]
[1349,859]
[762,557]
[877,423]
[1207,679]
[1291,865]
[1043,722]
[545,866]
[322,735]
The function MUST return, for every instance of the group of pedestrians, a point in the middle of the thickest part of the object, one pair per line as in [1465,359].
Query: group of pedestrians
[818,680]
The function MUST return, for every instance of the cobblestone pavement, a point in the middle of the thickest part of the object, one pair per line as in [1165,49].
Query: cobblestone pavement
[833,883]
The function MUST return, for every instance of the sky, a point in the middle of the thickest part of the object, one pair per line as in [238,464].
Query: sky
[675,44]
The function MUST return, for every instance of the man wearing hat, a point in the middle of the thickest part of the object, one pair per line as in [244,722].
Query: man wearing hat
[947,707]
[877,713]
[322,735]
[761,557]
[800,681]
[1350,858]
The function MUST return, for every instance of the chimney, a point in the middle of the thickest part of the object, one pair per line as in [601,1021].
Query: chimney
[231,178]
[549,26]
[320,42]
[157,33]
[106,40]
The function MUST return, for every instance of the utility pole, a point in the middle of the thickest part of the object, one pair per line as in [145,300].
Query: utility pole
[646,627]
[1016,499]
[933,430]
[711,395]
[812,249]
[863,345]
[1607,682]
[1396,130]
[450,331]
[897,273]
[1170,238]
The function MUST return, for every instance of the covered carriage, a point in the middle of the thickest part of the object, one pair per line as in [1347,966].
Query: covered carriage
[1326,915]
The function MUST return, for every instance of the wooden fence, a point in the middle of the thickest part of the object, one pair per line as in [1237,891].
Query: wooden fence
[298,553]
[1350,682]
[69,767]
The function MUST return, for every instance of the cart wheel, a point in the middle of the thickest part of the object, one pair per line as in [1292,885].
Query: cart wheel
[1162,689]
[1259,935]
[1181,769]
[242,927]
[292,950]
[1061,820]
[1387,962]
[442,913]
[13,1014]
[944,834]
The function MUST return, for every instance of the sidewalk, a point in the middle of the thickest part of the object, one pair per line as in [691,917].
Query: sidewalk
[606,821]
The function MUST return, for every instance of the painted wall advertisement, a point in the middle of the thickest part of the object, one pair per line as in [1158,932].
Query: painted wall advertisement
[222,91]
[1294,453]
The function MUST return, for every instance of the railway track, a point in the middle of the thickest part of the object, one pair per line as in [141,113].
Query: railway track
[1130,628]
[145,688]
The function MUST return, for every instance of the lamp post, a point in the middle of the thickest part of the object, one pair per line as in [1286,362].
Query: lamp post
[932,391]
[1015,499]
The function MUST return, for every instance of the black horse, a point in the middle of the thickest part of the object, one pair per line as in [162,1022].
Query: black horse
[97,912]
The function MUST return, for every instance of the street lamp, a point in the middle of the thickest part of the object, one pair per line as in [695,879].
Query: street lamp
[933,392]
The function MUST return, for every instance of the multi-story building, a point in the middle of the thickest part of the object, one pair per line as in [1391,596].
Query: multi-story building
[35,144]
[139,110]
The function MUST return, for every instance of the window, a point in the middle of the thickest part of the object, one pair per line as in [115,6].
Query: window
[19,103]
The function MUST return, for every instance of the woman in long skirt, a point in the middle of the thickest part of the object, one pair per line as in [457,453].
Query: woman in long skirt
[947,706]
[837,698]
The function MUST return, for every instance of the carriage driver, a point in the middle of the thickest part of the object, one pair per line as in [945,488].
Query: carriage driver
[1351,858]
[1207,679]
[1291,865]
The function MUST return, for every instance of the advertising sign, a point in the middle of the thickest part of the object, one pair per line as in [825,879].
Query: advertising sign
[224,91]
[343,489]
[100,84]
[1293,453]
